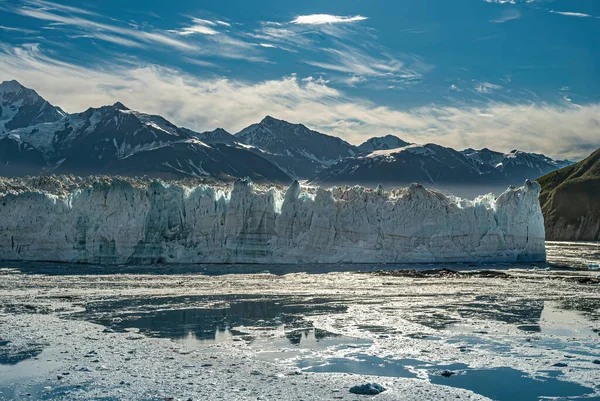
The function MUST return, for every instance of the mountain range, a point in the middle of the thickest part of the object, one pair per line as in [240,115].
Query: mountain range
[39,138]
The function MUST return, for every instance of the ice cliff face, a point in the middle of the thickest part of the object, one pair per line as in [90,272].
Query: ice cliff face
[118,222]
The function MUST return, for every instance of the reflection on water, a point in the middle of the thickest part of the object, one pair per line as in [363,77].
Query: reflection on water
[278,330]
[501,384]
[558,321]
[16,376]
[214,320]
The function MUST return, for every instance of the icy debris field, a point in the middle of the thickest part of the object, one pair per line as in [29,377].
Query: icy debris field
[202,332]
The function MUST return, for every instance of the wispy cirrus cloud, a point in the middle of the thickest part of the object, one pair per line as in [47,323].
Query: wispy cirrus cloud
[48,5]
[509,1]
[199,37]
[94,26]
[325,42]
[509,15]
[572,14]
[353,60]
[320,19]
[116,39]
[487,87]
[199,26]
[15,29]
[561,130]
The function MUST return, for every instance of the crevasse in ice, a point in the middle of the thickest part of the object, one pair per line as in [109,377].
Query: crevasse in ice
[116,222]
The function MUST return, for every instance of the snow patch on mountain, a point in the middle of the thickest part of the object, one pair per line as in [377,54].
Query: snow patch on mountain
[382,143]
[414,149]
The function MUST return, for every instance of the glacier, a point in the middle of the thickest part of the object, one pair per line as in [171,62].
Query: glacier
[123,221]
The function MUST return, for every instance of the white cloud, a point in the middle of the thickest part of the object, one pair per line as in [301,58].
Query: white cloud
[508,1]
[486,87]
[352,60]
[48,5]
[116,39]
[12,29]
[354,80]
[320,19]
[571,14]
[199,26]
[564,130]
[345,50]
[507,16]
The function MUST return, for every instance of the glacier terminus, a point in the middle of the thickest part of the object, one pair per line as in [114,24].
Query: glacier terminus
[121,221]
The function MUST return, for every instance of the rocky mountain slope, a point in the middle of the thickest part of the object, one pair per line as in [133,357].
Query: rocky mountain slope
[299,151]
[570,200]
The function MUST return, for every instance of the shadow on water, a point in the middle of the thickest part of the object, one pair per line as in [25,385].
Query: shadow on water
[67,269]
[500,384]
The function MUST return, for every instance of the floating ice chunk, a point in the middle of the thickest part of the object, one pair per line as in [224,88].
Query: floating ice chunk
[367,389]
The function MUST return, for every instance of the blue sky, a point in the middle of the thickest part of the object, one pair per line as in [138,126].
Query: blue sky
[463,73]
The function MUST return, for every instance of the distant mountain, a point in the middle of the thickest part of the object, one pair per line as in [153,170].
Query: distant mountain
[516,165]
[116,140]
[467,173]
[570,201]
[299,151]
[428,164]
[382,143]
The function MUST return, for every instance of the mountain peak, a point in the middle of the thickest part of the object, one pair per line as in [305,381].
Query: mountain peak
[120,106]
[386,142]
[270,121]
[21,107]
[12,86]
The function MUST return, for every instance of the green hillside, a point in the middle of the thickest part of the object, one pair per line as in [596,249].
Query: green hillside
[570,201]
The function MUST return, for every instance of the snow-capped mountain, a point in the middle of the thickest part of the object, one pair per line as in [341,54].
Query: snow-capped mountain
[464,173]
[427,164]
[39,138]
[299,151]
[382,143]
[116,140]
[104,133]
[516,164]
[22,107]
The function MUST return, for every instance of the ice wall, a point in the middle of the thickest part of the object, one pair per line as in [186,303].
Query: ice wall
[116,222]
